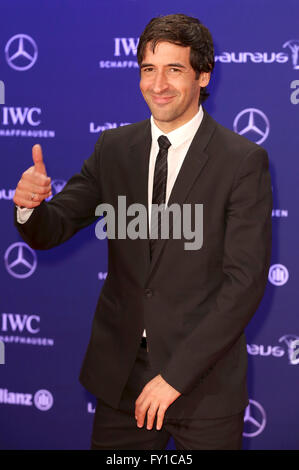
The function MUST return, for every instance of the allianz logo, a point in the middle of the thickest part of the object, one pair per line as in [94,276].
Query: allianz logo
[42,399]
[93,128]
[13,398]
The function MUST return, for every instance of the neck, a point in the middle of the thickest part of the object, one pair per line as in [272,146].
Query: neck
[167,127]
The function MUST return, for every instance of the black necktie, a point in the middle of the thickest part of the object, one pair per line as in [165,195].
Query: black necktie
[159,186]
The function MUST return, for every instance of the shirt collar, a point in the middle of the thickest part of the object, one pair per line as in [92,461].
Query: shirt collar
[181,134]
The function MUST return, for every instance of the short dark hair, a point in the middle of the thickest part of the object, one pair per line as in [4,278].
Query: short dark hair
[184,31]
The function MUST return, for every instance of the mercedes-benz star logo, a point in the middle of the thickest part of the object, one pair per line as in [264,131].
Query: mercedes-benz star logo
[21,52]
[20,260]
[254,123]
[254,419]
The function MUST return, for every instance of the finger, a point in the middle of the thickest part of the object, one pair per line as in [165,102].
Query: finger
[33,188]
[151,414]
[160,417]
[37,197]
[140,415]
[27,198]
[33,178]
[32,175]
[24,202]
[37,156]
[140,412]
[27,186]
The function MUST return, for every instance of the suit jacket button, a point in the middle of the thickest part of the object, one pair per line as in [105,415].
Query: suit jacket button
[149,293]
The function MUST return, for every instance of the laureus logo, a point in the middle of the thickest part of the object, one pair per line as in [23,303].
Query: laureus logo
[293,45]
[292,343]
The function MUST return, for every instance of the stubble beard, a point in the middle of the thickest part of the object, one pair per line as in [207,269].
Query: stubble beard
[164,115]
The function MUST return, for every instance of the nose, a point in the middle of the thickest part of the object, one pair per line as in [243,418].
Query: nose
[160,83]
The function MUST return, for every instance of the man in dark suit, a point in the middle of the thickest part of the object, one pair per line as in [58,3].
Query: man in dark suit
[167,354]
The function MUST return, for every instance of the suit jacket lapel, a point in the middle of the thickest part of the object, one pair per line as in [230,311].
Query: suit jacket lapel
[193,164]
[139,154]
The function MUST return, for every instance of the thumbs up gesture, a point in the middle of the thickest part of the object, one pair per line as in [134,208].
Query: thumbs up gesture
[34,185]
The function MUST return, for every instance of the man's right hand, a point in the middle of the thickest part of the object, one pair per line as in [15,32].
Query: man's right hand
[34,185]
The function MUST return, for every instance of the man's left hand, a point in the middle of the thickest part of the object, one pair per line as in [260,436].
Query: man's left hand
[155,397]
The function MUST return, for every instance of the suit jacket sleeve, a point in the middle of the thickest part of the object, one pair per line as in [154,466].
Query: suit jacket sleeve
[54,222]
[246,261]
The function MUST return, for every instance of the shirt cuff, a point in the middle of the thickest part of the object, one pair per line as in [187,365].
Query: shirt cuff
[23,214]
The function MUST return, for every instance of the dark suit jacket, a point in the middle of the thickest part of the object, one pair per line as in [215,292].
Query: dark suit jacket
[194,305]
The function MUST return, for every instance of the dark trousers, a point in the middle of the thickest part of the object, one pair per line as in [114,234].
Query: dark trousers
[116,429]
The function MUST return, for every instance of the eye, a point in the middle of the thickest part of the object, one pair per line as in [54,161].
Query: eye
[147,69]
[174,70]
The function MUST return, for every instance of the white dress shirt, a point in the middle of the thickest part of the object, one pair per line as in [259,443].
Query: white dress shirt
[23,214]
[180,140]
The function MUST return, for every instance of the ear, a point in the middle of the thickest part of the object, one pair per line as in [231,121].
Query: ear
[204,79]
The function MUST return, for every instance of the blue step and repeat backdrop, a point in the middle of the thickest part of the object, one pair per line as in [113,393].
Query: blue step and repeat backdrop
[68,71]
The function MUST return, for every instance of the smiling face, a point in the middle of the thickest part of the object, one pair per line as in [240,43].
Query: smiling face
[169,86]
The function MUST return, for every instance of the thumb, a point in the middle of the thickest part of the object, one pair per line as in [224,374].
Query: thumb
[37,156]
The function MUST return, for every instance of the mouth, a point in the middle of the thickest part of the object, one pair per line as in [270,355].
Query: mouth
[162,99]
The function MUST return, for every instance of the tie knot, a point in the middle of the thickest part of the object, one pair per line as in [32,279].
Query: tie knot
[163,142]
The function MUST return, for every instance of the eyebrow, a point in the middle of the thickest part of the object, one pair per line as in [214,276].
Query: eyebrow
[176,64]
